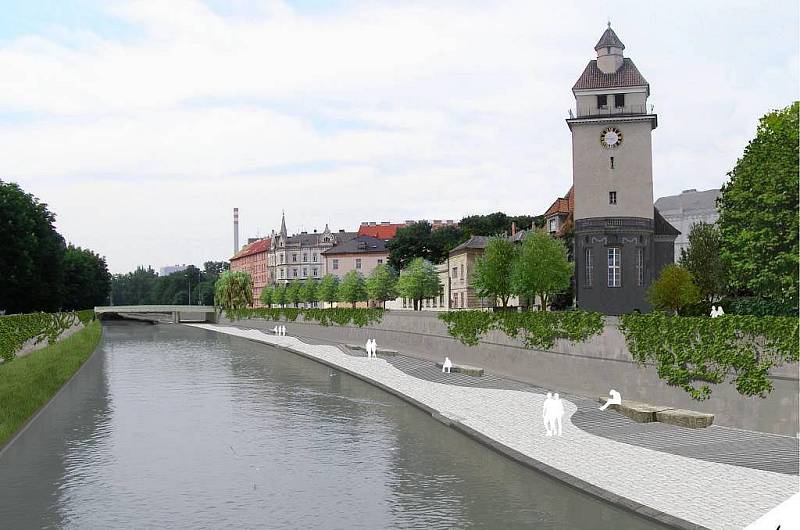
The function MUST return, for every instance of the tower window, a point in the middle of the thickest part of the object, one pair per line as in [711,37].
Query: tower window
[614,267]
[639,266]
[619,100]
[602,101]
[589,267]
[612,162]
[612,197]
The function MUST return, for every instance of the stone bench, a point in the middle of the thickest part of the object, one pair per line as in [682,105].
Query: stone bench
[381,351]
[464,369]
[646,413]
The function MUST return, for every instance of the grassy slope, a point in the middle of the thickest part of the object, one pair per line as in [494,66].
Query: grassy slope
[29,382]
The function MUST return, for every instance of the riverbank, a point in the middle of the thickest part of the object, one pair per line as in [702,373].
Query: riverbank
[672,489]
[30,382]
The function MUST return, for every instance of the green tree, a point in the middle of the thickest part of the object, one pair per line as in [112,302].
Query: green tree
[381,284]
[419,281]
[310,292]
[498,223]
[281,296]
[703,261]
[87,281]
[134,288]
[493,271]
[267,296]
[294,293]
[673,289]
[420,240]
[329,289]
[31,253]
[352,289]
[759,211]
[233,290]
[542,269]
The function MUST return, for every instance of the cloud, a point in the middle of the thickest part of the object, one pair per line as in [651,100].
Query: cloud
[365,111]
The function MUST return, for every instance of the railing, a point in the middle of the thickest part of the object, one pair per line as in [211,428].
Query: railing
[610,111]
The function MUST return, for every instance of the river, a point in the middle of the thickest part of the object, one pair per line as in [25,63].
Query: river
[170,426]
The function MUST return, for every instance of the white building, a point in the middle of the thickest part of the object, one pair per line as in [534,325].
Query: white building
[687,209]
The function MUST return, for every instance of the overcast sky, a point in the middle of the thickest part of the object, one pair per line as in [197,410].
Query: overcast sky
[142,124]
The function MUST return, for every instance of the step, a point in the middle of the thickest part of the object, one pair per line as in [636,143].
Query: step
[381,351]
[685,418]
[646,413]
[464,369]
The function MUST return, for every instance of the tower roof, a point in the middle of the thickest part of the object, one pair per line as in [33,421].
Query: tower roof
[627,75]
[283,224]
[609,38]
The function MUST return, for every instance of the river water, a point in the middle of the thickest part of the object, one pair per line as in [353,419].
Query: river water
[169,426]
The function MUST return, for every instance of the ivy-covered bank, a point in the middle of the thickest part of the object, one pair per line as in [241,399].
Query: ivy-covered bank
[537,329]
[16,330]
[29,382]
[325,317]
[695,352]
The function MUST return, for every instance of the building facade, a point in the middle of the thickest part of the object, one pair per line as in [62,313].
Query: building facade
[361,254]
[559,217]
[300,256]
[253,259]
[686,210]
[621,242]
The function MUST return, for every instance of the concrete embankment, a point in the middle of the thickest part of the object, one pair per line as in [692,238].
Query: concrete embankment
[588,369]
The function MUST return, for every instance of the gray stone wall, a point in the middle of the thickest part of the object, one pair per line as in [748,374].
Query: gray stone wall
[588,369]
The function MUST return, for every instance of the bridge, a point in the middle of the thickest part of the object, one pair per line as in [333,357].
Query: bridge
[155,313]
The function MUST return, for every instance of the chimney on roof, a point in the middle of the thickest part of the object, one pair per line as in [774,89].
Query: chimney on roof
[513,228]
[364,223]
[372,223]
[235,230]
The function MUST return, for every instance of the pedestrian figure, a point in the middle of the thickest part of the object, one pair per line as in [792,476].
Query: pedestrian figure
[368,348]
[714,313]
[375,348]
[283,331]
[275,330]
[447,365]
[558,413]
[615,399]
[547,414]
[720,312]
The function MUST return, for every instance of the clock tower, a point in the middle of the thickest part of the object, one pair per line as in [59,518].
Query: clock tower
[621,241]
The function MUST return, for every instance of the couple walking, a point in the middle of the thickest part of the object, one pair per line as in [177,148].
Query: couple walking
[372,348]
[552,412]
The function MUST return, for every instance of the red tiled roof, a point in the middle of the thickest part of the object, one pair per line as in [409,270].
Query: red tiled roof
[262,245]
[382,231]
[562,205]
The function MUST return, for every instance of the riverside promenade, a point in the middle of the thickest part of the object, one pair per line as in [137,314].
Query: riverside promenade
[670,488]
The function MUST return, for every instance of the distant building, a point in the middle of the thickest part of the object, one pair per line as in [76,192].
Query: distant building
[253,259]
[438,303]
[461,265]
[166,271]
[298,257]
[361,254]
[383,230]
[687,209]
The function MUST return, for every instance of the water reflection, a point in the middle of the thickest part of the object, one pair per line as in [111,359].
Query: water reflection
[172,426]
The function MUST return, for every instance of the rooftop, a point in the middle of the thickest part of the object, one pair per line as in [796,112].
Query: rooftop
[626,76]
[689,200]
[358,245]
[262,245]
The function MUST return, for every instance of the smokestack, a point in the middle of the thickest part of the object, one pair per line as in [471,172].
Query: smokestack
[513,228]
[235,230]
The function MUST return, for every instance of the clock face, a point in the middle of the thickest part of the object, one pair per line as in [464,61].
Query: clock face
[611,138]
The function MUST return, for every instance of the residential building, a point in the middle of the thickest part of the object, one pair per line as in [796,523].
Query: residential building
[361,254]
[461,266]
[383,230]
[687,209]
[253,259]
[439,303]
[559,217]
[621,241]
[300,256]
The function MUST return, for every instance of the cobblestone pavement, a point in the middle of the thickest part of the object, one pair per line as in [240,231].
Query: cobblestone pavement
[708,494]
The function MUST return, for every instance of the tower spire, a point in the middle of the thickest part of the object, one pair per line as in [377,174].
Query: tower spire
[283,223]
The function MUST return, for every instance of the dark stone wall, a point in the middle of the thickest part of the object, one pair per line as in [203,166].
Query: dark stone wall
[628,234]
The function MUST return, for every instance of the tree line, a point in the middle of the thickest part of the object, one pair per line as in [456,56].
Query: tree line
[190,286]
[39,270]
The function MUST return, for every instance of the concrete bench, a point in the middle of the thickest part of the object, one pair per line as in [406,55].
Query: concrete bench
[381,351]
[464,369]
[646,413]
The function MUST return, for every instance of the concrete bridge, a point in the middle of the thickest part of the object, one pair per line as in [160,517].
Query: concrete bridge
[155,313]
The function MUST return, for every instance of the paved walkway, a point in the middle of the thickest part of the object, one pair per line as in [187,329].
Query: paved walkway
[668,487]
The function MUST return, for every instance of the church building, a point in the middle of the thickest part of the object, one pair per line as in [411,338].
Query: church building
[621,241]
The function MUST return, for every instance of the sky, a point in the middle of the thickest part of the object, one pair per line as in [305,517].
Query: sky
[142,124]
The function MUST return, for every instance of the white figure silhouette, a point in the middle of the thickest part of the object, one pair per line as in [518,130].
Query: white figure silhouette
[283,330]
[720,312]
[375,348]
[558,413]
[447,365]
[368,348]
[615,399]
[275,330]
[714,311]
[547,414]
